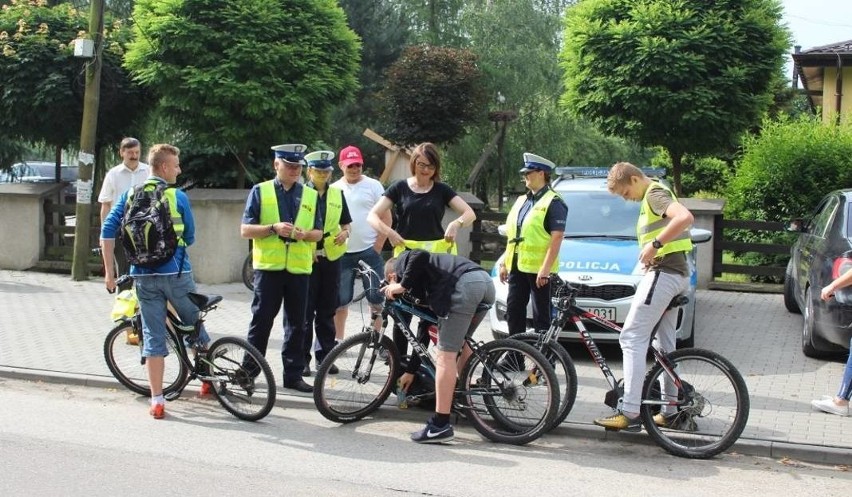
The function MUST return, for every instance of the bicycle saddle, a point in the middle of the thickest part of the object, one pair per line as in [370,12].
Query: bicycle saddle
[204,302]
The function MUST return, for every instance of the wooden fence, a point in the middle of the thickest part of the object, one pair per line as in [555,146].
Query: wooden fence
[721,243]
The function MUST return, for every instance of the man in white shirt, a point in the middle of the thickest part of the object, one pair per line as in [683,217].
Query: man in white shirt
[361,193]
[118,180]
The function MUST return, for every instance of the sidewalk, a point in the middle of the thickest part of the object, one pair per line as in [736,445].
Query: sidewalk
[52,329]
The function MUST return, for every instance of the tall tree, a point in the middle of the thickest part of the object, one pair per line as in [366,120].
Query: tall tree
[432,93]
[246,74]
[688,75]
[41,82]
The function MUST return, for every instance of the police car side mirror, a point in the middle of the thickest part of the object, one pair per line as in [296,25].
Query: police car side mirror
[698,235]
[502,229]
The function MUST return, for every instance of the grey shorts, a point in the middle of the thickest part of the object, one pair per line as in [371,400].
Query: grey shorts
[471,289]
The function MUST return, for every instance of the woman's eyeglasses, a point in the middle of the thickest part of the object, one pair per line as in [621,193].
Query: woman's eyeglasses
[425,165]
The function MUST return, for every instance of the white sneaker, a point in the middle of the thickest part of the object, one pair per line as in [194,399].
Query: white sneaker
[827,405]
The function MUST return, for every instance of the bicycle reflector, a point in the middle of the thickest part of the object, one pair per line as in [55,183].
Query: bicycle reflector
[841,265]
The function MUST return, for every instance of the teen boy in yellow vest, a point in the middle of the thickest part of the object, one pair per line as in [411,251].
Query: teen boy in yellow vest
[325,276]
[281,217]
[662,231]
[535,227]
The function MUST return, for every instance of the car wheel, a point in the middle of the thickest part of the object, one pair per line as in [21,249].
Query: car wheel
[688,342]
[809,339]
[789,296]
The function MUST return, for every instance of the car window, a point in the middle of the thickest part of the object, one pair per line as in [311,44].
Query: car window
[599,213]
[823,217]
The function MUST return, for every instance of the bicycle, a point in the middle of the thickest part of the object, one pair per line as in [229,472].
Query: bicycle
[242,379]
[507,389]
[708,394]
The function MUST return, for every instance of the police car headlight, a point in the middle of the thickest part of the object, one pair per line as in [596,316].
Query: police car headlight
[500,310]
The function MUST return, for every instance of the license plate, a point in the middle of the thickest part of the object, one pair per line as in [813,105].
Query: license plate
[607,313]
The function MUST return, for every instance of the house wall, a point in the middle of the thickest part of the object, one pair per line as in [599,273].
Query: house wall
[829,97]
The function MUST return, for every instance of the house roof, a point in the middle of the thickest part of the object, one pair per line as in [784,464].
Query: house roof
[811,64]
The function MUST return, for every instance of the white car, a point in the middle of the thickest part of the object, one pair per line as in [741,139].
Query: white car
[600,255]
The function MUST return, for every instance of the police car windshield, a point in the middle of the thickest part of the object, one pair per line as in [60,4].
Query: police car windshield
[592,214]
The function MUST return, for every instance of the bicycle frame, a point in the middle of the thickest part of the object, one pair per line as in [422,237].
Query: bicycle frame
[568,311]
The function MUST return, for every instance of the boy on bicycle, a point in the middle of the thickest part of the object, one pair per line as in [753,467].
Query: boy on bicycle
[662,232]
[454,287]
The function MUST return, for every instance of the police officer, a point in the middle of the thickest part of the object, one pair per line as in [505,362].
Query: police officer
[281,217]
[325,276]
[535,227]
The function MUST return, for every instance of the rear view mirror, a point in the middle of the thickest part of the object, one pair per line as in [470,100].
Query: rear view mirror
[698,235]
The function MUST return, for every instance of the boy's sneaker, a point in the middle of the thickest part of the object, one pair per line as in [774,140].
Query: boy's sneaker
[828,405]
[431,434]
[158,411]
[620,422]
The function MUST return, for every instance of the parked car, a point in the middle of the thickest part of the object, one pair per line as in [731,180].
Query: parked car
[600,255]
[822,252]
[43,172]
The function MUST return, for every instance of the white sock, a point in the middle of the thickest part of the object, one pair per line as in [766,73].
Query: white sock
[159,399]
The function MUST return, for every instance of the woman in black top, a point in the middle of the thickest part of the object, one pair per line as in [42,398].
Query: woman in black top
[419,203]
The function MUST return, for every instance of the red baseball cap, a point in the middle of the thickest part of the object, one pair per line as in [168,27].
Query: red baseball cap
[350,155]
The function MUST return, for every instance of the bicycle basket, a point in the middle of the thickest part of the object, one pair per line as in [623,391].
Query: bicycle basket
[125,306]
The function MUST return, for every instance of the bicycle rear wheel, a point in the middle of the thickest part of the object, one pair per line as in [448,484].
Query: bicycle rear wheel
[713,404]
[563,366]
[248,272]
[124,360]
[364,379]
[511,396]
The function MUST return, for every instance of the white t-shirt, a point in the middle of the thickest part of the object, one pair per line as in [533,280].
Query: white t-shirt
[119,179]
[360,198]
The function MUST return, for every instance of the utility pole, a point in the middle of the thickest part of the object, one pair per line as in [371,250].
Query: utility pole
[88,140]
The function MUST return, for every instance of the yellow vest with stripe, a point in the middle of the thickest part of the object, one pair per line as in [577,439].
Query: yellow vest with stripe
[439,246]
[331,226]
[530,247]
[650,225]
[271,253]
[170,194]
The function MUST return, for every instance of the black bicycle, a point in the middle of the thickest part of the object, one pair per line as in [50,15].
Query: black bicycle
[507,389]
[241,378]
[695,403]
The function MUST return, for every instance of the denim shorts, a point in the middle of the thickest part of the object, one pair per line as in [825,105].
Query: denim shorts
[153,291]
[348,262]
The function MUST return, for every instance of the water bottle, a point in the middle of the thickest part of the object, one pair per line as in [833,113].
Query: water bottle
[401,397]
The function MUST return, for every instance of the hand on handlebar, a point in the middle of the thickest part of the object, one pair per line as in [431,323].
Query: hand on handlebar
[392,289]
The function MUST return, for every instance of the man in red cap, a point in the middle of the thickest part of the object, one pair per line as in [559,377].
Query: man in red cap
[361,193]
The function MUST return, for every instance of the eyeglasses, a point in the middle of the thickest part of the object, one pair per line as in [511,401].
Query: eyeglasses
[425,165]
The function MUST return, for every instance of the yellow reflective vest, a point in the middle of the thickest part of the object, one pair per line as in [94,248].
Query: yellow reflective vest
[650,225]
[331,224]
[530,247]
[271,253]
[439,246]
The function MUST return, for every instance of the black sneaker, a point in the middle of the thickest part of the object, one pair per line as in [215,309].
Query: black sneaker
[431,434]
[307,371]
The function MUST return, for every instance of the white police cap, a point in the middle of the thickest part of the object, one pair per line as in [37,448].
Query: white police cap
[534,162]
[293,153]
[321,159]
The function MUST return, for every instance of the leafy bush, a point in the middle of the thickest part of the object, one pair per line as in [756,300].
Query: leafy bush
[708,175]
[783,174]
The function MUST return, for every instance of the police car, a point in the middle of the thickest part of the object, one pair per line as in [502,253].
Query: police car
[601,255]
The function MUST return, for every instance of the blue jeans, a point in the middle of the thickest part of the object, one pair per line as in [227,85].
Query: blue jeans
[845,391]
[153,291]
[348,262]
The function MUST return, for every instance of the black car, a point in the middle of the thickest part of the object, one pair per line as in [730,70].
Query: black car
[822,252]
[43,172]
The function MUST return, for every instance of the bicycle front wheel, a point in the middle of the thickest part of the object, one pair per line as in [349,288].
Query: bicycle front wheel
[509,392]
[242,379]
[123,355]
[563,366]
[367,366]
[712,404]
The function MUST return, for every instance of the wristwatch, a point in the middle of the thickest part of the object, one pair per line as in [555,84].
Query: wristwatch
[657,244]
[271,229]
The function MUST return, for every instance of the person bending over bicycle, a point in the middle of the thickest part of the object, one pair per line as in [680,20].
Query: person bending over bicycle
[662,232]
[454,287]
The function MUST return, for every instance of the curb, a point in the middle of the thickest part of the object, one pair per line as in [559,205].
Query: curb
[819,454]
